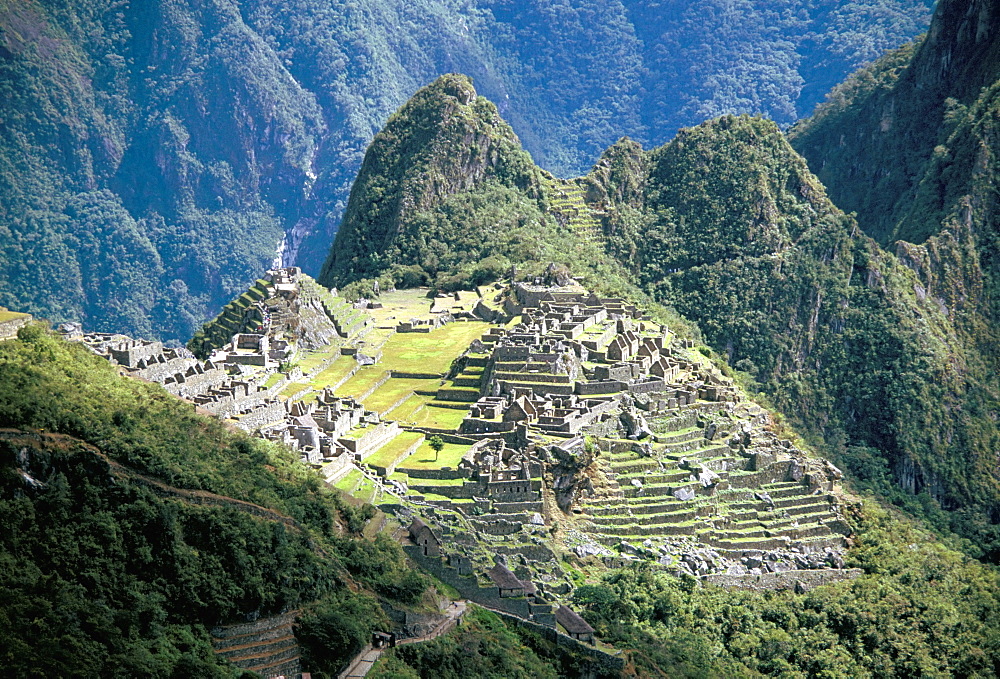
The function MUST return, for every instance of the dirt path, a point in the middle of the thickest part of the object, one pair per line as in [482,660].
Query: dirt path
[65,442]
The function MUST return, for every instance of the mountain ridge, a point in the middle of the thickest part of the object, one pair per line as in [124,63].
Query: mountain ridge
[727,224]
[156,158]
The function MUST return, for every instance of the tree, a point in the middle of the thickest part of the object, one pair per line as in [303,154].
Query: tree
[437,444]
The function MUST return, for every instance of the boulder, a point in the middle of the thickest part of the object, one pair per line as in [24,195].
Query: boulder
[684,494]
[796,471]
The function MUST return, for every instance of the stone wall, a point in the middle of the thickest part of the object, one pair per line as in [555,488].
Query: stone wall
[607,387]
[802,580]
[468,585]
[268,413]
[9,328]
[600,663]
[647,387]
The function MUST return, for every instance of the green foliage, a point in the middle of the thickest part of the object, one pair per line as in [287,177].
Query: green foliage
[381,565]
[481,647]
[738,236]
[919,609]
[153,153]
[139,525]
[334,629]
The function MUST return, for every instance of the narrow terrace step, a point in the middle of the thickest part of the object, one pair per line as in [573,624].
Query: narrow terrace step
[258,648]
[801,499]
[675,476]
[783,489]
[626,468]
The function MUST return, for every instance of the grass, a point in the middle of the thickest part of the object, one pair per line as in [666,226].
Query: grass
[315,358]
[348,483]
[6,315]
[390,453]
[362,381]
[273,380]
[423,483]
[431,352]
[423,458]
[293,388]
[440,418]
[366,490]
[337,371]
[407,411]
[393,390]
[356,433]
[401,305]
[434,497]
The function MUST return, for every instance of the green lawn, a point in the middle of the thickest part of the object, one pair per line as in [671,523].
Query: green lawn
[312,359]
[399,476]
[365,491]
[293,388]
[437,482]
[348,483]
[273,380]
[390,453]
[362,381]
[423,458]
[407,411]
[337,371]
[6,315]
[439,417]
[393,390]
[358,432]
[430,352]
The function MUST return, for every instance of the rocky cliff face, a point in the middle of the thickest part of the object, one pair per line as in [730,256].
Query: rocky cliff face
[870,142]
[911,145]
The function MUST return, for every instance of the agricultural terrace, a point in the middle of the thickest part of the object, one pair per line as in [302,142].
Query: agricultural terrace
[423,458]
[430,352]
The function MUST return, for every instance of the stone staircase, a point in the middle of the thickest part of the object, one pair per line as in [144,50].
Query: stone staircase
[266,646]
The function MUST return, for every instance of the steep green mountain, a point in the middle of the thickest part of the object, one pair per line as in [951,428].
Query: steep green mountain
[727,225]
[156,156]
[130,526]
[911,145]
[872,141]
[737,235]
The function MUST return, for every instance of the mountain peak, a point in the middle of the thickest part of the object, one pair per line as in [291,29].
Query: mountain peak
[446,139]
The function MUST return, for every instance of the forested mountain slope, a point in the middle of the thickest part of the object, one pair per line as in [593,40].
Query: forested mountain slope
[911,144]
[156,155]
[727,225]
[130,526]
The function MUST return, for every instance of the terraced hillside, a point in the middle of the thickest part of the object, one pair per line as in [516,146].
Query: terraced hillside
[567,205]
[266,647]
[657,497]
[266,308]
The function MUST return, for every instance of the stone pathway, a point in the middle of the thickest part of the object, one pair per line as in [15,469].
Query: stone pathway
[364,660]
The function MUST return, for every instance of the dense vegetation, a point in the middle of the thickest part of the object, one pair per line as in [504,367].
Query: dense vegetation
[483,646]
[919,609]
[155,154]
[137,525]
[738,236]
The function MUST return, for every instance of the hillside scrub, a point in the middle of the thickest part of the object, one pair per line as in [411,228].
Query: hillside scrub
[130,526]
